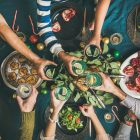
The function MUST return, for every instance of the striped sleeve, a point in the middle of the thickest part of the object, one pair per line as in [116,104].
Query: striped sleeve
[44,26]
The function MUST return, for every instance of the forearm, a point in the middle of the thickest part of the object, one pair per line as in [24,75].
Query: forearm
[119,93]
[130,102]
[51,127]
[14,41]
[100,131]
[100,15]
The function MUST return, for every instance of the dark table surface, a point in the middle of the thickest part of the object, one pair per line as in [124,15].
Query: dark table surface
[9,111]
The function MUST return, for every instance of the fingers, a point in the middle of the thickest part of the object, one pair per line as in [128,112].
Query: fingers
[71,71]
[52,63]
[82,110]
[19,100]
[33,95]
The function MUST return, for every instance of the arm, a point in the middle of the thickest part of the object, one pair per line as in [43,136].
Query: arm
[130,102]
[100,15]
[100,131]
[44,26]
[13,40]
[49,132]
[10,37]
[126,127]
[27,116]
[46,33]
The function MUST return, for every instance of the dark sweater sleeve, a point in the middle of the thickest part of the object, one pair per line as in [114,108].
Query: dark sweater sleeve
[27,126]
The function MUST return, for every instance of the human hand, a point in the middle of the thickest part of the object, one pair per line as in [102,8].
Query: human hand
[56,104]
[87,110]
[95,40]
[107,84]
[28,104]
[68,59]
[40,64]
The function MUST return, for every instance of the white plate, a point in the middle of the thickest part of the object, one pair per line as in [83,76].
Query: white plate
[124,80]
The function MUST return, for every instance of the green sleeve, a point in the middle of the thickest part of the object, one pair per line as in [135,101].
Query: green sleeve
[27,126]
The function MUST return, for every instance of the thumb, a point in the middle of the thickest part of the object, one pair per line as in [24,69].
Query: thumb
[19,100]
[82,110]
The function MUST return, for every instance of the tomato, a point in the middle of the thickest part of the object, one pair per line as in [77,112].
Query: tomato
[134,62]
[78,120]
[137,80]
[70,117]
[137,89]
[130,86]
[68,14]
[33,38]
[129,70]
[56,27]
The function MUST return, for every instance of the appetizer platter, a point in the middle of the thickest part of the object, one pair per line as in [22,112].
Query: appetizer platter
[71,121]
[131,69]
[16,70]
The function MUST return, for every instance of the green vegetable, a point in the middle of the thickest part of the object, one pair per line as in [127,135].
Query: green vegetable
[76,54]
[78,96]
[71,86]
[109,101]
[105,49]
[70,119]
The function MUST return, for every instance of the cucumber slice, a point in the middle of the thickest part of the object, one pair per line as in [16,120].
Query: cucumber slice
[62,98]
[64,91]
[78,71]
[78,66]
[88,52]
[49,74]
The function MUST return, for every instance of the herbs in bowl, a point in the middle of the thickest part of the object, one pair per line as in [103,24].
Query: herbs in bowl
[71,120]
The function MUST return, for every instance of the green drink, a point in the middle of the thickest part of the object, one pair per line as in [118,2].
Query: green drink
[93,79]
[51,71]
[91,51]
[62,93]
[78,67]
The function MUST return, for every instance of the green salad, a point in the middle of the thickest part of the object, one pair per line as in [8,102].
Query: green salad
[70,119]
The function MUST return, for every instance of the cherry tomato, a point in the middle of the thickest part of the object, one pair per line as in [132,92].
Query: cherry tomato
[70,117]
[78,120]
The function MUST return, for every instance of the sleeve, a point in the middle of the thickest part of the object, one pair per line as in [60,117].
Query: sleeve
[44,26]
[123,132]
[133,104]
[104,137]
[27,126]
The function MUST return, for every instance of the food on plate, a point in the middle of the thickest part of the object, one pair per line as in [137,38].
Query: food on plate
[23,71]
[70,119]
[21,81]
[31,80]
[80,84]
[129,70]
[12,76]
[14,65]
[133,71]
[56,27]
[34,71]
[68,14]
